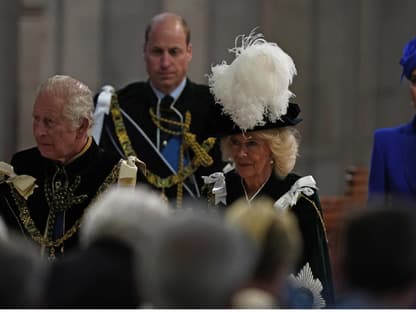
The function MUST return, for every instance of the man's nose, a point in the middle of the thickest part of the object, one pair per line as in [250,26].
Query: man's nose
[166,59]
[39,129]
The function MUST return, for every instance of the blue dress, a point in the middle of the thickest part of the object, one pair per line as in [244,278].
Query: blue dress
[393,163]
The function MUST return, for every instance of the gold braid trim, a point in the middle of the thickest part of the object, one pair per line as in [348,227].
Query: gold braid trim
[159,120]
[318,212]
[120,128]
[187,171]
[34,232]
[201,158]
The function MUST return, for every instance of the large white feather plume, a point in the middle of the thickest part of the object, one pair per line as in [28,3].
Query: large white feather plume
[254,88]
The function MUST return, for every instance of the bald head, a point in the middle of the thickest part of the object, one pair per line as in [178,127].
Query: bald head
[168,18]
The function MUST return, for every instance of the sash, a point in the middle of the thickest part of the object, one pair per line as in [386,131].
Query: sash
[164,176]
[153,155]
[102,108]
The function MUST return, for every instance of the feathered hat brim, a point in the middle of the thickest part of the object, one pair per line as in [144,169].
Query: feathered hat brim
[226,126]
[254,89]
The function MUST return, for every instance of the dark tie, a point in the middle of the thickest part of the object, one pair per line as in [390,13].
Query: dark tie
[166,101]
[167,113]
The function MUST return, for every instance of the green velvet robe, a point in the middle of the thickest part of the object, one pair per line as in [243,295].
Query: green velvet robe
[309,216]
[66,189]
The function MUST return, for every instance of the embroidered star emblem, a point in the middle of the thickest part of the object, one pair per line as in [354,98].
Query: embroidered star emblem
[305,283]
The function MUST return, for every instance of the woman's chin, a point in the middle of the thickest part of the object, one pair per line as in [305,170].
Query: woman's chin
[245,173]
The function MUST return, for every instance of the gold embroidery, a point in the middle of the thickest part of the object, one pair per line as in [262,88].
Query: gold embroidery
[201,158]
[60,196]
[29,224]
[317,211]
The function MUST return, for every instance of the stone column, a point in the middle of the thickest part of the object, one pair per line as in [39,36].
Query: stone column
[9,16]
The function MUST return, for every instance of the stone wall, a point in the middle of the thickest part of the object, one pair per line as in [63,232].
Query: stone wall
[346,53]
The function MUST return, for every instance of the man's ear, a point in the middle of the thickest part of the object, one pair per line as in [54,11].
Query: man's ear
[189,51]
[83,128]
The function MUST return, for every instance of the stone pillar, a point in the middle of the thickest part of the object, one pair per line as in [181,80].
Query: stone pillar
[9,16]
[75,39]
[198,21]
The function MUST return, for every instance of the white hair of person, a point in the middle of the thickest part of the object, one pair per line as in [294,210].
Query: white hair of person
[125,214]
[198,262]
[78,98]
[283,143]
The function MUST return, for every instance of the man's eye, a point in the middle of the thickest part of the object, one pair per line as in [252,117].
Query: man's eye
[174,51]
[49,123]
[156,52]
[413,80]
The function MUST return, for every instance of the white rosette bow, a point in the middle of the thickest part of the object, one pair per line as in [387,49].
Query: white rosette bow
[305,185]
[219,189]
[128,171]
[24,184]
[102,108]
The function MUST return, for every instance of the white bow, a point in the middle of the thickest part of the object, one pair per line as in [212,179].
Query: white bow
[304,185]
[219,189]
[128,172]
[102,108]
[24,184]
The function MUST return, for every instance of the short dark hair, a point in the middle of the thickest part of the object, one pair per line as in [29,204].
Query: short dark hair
[182,21]
[380,249]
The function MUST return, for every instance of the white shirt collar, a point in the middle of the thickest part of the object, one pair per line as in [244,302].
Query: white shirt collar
[175,93]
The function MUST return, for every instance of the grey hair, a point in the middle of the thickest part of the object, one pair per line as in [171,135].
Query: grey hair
[198,262]
[79,104]
[283,143]
[129,215]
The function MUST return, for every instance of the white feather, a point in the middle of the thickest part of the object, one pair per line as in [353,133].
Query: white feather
[254,88]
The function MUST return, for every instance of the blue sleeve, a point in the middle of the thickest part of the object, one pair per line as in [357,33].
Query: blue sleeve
[377,179]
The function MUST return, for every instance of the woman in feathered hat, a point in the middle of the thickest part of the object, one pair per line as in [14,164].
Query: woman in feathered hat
[393,166]
[258,136]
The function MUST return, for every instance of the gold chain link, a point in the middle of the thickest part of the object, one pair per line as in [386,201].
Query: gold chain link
[201,151]
[34,232]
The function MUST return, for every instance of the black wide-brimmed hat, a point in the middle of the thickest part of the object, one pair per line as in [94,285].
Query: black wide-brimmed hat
[226,126]
[253,91]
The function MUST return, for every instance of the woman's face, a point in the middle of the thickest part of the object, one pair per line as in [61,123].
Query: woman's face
[413,87]
[252,155]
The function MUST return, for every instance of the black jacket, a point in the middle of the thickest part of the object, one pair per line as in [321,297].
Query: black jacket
[135,100]
[71,187]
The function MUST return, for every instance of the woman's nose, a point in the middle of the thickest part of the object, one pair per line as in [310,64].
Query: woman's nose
[242,150]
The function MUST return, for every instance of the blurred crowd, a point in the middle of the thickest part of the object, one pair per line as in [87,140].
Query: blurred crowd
[138,252]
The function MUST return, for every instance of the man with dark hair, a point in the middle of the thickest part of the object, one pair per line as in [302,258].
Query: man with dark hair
[378,259]
[166,119]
